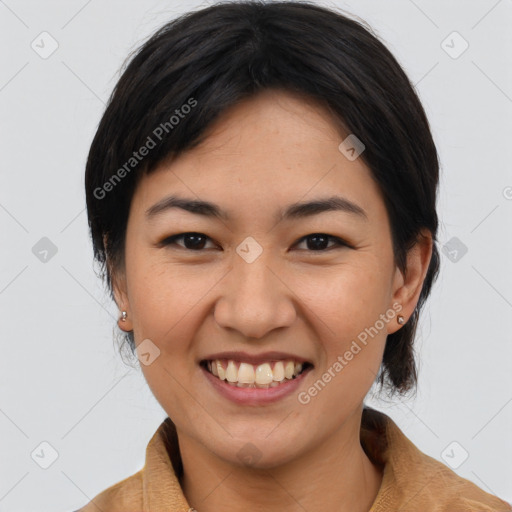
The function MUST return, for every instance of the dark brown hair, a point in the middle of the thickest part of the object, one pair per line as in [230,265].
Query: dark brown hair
[195,67]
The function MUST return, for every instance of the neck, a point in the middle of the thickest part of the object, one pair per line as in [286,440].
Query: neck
[336,474]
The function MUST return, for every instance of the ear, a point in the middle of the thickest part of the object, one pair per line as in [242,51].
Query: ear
[119,289]
[407,287]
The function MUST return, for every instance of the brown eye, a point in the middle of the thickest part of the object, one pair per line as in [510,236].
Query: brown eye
[319,242]
[191,241]
[315,242]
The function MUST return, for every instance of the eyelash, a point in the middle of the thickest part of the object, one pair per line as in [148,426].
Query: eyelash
[171,240]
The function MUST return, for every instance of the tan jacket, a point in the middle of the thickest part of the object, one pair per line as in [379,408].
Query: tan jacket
[412,481]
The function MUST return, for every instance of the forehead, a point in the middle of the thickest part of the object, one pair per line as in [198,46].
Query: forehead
[270,150]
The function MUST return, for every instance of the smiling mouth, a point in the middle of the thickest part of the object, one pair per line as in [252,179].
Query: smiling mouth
[246,375]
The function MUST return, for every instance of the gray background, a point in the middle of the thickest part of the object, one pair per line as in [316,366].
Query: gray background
[61,379]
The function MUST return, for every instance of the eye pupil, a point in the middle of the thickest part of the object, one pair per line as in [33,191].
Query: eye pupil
[317,246]
[197,243]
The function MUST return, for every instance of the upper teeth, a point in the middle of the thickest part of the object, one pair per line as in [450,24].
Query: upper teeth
[247,374]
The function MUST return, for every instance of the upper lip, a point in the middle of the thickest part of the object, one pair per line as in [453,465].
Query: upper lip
[256,358]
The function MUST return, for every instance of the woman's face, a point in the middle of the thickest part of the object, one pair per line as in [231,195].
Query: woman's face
[251,283]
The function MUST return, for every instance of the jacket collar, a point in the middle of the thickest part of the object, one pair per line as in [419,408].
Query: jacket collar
[412,480]
[161,489]
[163,469]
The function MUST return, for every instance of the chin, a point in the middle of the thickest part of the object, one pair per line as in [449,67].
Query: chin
[256,452]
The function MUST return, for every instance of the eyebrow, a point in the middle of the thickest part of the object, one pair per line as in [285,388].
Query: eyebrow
[293,211]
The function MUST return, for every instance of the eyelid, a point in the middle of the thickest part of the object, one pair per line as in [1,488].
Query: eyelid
[340,243]
[171,240]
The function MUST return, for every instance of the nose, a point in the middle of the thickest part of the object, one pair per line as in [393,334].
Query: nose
[255,299]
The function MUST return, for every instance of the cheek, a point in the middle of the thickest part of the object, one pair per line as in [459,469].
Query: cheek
[345,309]
[169,304]
[161,293]
[346,297]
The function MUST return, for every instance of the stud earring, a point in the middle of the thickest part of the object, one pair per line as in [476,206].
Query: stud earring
[400,319]
[123,316]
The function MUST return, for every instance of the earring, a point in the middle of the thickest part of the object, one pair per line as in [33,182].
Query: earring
[400,319]
[123,316]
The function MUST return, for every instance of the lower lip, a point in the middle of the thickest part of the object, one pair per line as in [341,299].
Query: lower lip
[255,396]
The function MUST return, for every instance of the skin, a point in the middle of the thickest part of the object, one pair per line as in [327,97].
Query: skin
[272,150]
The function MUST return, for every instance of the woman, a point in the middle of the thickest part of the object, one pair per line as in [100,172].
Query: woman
[261,196]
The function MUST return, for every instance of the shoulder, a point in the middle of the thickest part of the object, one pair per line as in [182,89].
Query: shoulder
[453,493]
[124,496]
[413,480]
[154,487]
